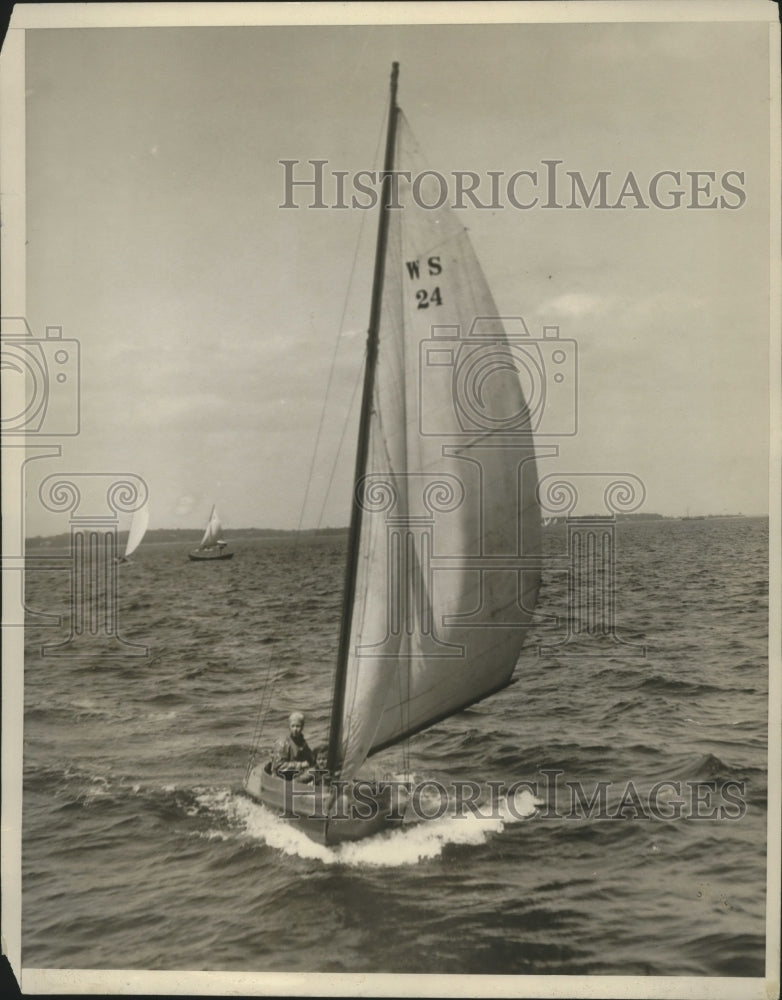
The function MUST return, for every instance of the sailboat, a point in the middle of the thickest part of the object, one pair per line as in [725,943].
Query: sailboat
[138,528]
[211,546]
[442,570]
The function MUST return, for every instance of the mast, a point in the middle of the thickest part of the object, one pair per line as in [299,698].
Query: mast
[362,448]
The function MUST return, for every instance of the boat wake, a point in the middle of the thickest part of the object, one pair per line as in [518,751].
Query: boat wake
[403,846]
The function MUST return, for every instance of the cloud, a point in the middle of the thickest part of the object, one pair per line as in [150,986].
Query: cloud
[184,506]
[573,304]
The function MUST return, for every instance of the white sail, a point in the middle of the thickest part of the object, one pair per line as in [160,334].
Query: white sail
[138,528]
[213,531]
[443,595]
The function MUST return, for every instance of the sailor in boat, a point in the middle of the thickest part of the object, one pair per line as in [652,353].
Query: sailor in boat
[318,774]
[292,753]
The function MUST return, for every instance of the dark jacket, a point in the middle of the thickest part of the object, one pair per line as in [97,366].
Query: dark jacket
[286,751]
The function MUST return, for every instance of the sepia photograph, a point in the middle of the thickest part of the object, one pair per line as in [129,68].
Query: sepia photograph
[391,485]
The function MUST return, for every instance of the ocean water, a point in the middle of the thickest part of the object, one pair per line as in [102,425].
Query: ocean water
[141,852]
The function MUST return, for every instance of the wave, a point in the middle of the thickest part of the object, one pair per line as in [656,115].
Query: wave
[77,711]
[402,847]
[728,954]
[673,685]
[709,767]
[140,757]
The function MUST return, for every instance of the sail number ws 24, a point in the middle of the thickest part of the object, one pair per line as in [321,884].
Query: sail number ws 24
[425,298]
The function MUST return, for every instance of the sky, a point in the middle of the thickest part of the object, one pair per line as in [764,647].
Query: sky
[209,318]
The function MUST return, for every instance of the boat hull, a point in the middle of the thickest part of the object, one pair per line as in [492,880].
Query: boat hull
[207,556]
[324,817]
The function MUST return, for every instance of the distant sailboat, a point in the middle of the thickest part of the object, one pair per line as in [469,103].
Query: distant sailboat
[415,649]
[212,546]
[138,528]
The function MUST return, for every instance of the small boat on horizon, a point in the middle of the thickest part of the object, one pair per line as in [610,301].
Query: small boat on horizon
[211,547]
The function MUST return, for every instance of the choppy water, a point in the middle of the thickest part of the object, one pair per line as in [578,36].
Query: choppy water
[140,852]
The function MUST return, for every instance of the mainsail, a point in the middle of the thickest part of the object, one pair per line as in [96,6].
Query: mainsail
[213,531]
[138,528]
[446,573]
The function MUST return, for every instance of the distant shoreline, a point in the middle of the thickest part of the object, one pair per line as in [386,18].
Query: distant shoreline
[195,534]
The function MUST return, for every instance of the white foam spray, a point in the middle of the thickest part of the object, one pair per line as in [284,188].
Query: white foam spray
[401,846]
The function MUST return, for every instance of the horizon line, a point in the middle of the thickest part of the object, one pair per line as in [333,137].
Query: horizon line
[560,519]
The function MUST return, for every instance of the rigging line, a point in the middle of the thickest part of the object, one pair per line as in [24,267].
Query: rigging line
[259,717]
[336,349]
[263,712]
[345,423]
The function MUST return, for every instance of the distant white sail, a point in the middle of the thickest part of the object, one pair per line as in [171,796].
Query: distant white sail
[213,531]
[211,548]
[138,528]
